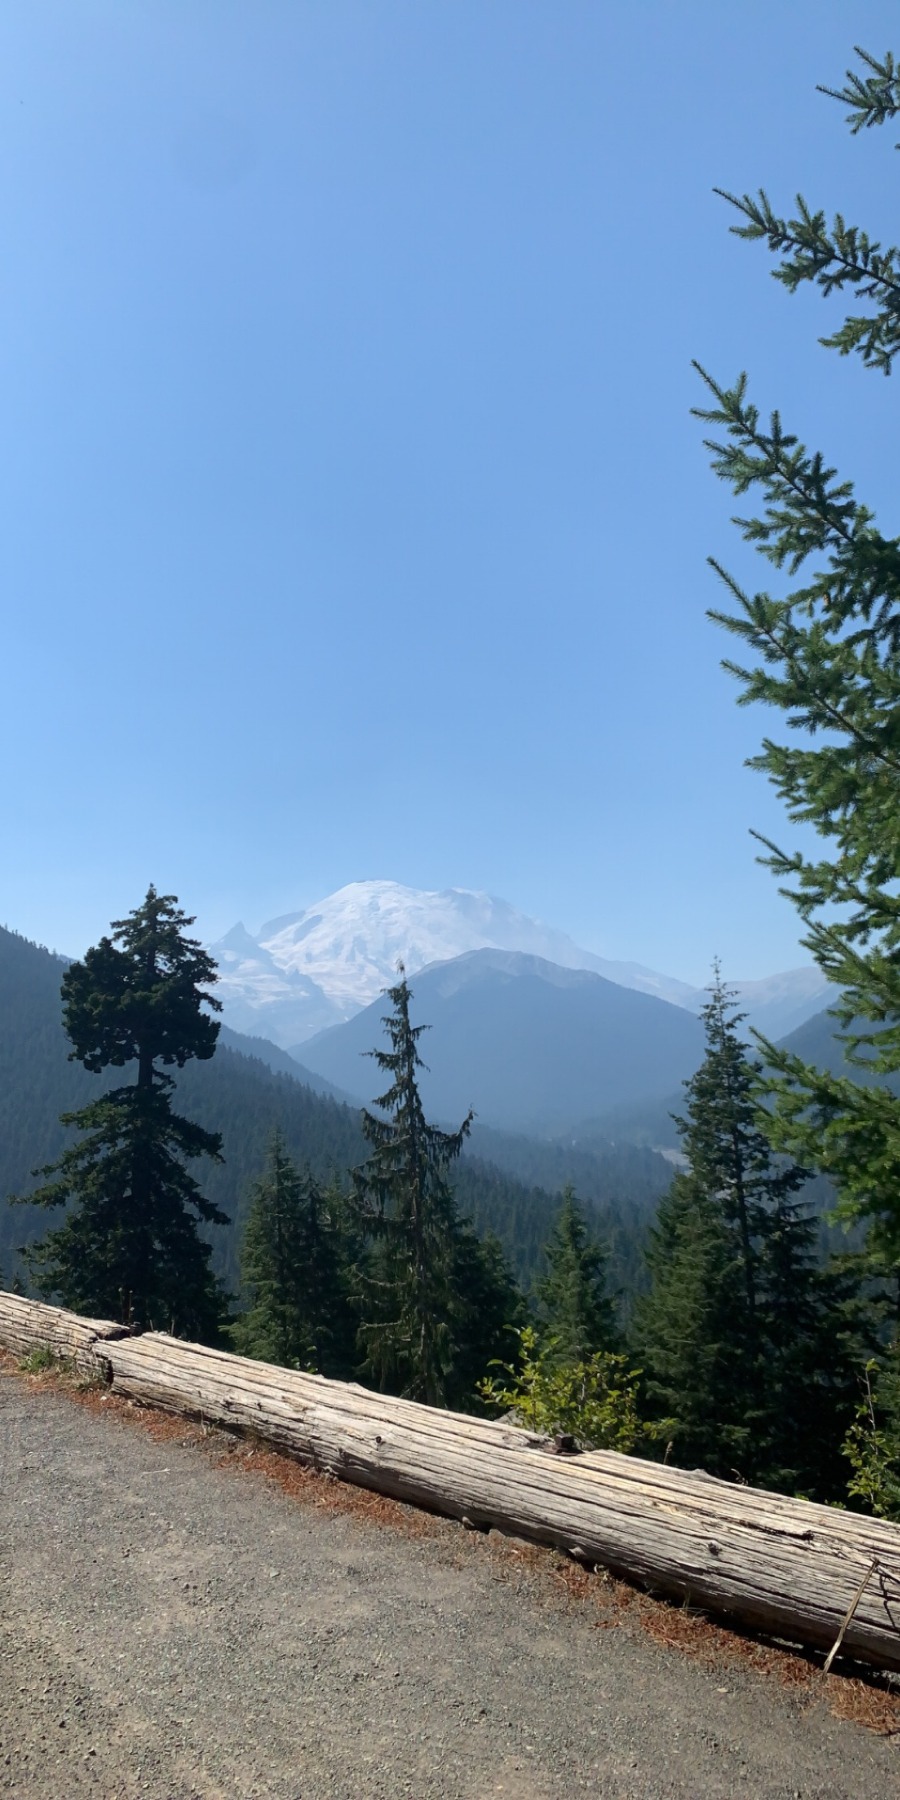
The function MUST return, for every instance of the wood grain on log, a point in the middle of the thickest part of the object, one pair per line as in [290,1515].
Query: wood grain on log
[781,1565]
[26,1325]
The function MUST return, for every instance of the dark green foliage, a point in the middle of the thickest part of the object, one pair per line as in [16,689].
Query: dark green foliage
[37,1082]
[129,1247]
[842,256]
[619,1185]
[835,257]
[574,1307]
[729,1156]
[488,1311]
[244,1101]
[747,1342]
[138,996]
[685,1332]
[423,1298]
[294,1265]
[406,1205]
[825,651]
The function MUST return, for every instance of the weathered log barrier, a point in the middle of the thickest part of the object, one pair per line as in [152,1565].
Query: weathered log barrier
[26,1325]
[784,1566]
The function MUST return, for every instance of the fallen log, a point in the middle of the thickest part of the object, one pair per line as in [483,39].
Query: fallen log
[783,1566]
[27,1325]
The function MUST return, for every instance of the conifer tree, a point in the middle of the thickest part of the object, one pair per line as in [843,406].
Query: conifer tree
[685,1332]
[293,1267]
[730,1157]
[424,1296]
[129,1247]
[574,1307]
[748,1344]
[825,651]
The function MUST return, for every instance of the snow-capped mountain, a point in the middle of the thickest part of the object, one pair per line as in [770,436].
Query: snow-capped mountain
[262,997]
[310,969]
[307,970]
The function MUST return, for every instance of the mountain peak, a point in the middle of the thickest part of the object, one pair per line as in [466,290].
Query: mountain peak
[313,968]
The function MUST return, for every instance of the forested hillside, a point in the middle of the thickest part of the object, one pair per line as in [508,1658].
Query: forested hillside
[507,1186]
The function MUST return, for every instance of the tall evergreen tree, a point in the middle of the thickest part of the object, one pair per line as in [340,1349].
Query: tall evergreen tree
[825,651]
[748,1344]
[730,1156]
[293,1266]
[431,1289]
[129,1247]
[574,1306]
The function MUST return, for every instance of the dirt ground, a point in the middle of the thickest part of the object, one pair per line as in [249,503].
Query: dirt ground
[181,1616]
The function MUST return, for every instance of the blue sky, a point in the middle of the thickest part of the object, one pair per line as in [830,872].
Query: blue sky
[355,521]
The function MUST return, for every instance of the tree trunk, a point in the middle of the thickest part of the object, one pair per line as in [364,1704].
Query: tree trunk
[784,1566]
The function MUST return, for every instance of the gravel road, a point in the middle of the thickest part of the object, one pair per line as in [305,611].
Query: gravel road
[171,1628]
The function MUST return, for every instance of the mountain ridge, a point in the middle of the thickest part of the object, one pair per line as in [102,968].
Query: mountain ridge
[306,970]
[531,1047]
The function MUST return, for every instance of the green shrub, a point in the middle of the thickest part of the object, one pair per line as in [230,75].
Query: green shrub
[872,1445]
[594,1401]
[42,1358]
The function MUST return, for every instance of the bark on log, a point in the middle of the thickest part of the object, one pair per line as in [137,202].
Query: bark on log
[783,1566]
[26,1325]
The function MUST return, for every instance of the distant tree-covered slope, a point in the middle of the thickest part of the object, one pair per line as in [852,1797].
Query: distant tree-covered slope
[280,1061]
[597,1170]
[619,1183]
[244,1099]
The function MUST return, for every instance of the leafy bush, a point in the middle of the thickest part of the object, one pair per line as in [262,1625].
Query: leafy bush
[872,1445]
[594,1402]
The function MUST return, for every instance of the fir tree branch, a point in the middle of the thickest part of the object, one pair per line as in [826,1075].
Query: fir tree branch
[782,653]
[843,257]
[873,98]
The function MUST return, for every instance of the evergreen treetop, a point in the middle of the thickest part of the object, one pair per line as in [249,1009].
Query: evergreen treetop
[406,1204]
[410,1156]
[138,995]
[575,1309]
[729,1154]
